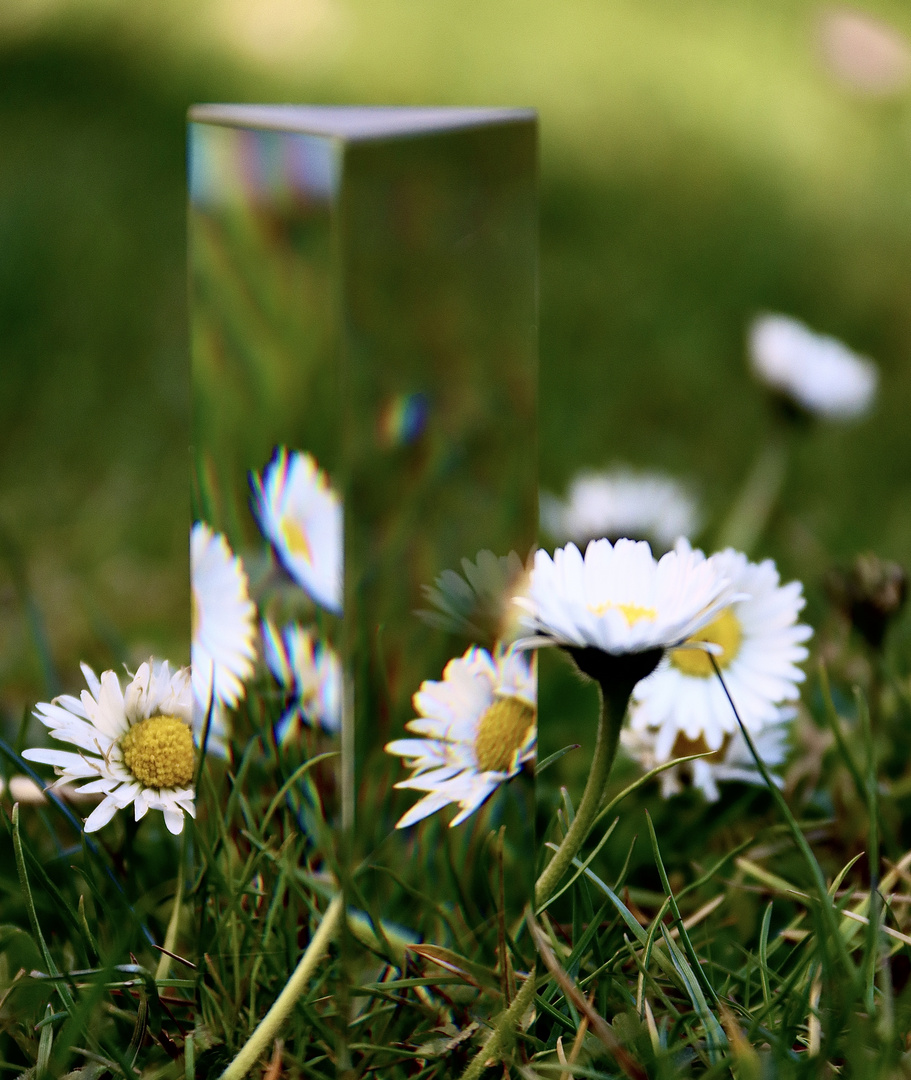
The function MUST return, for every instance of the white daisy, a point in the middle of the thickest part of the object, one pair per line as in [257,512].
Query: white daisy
[310,673]
[134,746]
[301,516]
[619,602]
[224,620]
[479,726]
[820,374]
[759,643]
[621,503]
[731,761]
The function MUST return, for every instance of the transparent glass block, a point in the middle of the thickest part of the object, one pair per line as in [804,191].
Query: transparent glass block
[364,292]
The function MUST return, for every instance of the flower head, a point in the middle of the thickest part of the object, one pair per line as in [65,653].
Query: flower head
[301,516]
[135,746]
[224,624]
[819,374]
[619,602]
[479,726]
[872,593]
[732,760]
[759,644]
[621,503]
[478,601]
[309,672]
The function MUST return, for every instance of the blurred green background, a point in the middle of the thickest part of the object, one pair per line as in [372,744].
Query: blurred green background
[701,161]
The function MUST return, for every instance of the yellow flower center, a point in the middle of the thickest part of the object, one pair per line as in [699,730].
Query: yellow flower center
[684,747]
[502,732]
[159,752]
[725,631]
[295,539]
[631,612]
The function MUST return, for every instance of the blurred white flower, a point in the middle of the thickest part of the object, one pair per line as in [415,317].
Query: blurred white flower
[731,761]
[759,643]
[820,374]
[479,726]
[618,503]
[309,672]
[301,516]
[864,53]
[134,746]
[224,620]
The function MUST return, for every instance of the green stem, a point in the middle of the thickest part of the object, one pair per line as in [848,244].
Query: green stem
[170,937]
[750,513]
[503,1030]
[613,709]
[287,999]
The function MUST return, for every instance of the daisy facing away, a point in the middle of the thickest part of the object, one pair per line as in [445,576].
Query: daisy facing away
[300,515]
[224,620]
[758,645]
[477,728]
[621,502]
[730,761]
[310,674]
[133,746]
[819,374]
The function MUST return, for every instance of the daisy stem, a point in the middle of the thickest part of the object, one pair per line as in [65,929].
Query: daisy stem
[170,937]
[753,507]
[261,1038]
[503,1030]
[613,708]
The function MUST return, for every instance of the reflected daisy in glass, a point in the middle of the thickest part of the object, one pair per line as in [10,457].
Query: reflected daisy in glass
[310,675]
[134,746]
[477,728]
[758,644]
[732,760]
[224,621]
[819,374]
[621,502]
[300,515]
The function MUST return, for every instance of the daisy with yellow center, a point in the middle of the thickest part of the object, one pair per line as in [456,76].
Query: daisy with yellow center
[135,745]
[730,761]
[478,728]
[615,611]
[619,601]
[758,644]
[301,516]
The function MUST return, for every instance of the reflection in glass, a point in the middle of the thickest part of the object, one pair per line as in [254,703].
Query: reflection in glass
[364,337]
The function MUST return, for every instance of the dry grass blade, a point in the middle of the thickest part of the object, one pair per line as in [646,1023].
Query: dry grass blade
[598,1024]
[274,1070]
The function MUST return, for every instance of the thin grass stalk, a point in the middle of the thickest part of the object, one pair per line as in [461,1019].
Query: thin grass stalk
[825,902]
[170,937]
[502,1033]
